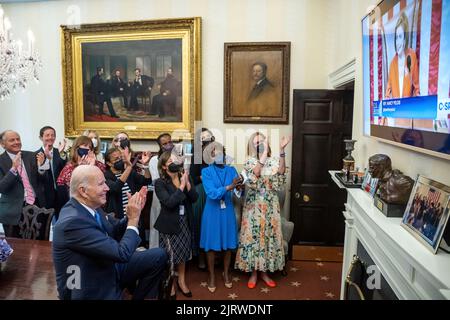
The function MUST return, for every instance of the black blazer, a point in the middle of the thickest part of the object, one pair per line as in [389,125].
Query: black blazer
[114,196]
[12,190]
[51,198]
[171,198]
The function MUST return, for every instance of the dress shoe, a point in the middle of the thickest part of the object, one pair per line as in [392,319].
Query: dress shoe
[186,294]
[229,285]
[251,285]
[270,283]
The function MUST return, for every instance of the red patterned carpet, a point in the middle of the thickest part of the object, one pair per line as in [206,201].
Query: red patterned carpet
[306,280]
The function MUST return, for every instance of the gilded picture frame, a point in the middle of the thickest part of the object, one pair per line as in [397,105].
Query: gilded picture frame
[256,82]
[116,77]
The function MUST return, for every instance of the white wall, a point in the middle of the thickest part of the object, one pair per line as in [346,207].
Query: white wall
[348,44]
[298,21]
[324,35]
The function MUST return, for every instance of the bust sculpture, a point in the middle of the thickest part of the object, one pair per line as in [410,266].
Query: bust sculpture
[393,186]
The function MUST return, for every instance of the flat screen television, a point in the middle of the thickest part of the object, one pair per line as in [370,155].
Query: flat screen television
[406,74]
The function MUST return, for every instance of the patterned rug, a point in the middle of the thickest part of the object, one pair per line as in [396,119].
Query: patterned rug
[305,280]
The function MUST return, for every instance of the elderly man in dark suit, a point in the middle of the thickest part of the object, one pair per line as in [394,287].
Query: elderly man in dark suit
[95,257]
[119,87]
[141,86]
[52,167]
[101,90]
[20,182]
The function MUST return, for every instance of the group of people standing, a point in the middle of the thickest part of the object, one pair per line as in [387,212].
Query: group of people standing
[194,212]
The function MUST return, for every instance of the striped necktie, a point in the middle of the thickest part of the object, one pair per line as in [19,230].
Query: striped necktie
[29,193]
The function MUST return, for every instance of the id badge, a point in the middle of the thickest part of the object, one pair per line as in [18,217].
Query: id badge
[181,210]
[262,192]
[222,204]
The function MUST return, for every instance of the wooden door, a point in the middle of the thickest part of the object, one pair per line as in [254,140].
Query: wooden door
[322,119]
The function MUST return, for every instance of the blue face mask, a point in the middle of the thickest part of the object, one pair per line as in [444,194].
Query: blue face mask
[260,148]
[219,159]
[82,152]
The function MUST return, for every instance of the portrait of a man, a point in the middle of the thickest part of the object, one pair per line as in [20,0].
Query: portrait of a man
[257,82]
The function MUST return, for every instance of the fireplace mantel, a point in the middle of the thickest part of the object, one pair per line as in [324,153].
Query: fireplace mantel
[412,271]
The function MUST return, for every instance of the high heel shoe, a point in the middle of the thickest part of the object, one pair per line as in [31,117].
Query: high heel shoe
[186,294]
[211,289]
[228,285]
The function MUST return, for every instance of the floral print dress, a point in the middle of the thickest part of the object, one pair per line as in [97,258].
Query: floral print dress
[260,239]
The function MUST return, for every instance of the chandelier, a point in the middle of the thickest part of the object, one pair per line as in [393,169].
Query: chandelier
[17,67]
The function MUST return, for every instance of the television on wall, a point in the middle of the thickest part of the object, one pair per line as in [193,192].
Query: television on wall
[406,74]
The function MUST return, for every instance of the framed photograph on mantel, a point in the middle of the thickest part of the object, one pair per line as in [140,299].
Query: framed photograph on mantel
[256,82]
[142,77]
[427,212]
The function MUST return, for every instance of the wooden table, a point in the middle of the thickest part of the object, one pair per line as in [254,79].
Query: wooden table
[28,274]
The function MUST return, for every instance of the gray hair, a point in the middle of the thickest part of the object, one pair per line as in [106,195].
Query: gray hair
[3,134]
[81,176]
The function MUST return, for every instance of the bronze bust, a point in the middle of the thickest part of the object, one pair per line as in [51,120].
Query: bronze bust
[393,186]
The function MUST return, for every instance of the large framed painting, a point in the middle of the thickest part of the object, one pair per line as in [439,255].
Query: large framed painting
[256,83]
[142,77]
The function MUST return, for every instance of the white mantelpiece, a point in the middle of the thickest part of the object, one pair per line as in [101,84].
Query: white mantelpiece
[412,271]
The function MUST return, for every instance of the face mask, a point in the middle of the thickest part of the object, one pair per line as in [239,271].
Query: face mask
[119,165]
[174,168]
[94,142]
[125,143]
[260,148]
[219,159]
[82,152]
[168,147]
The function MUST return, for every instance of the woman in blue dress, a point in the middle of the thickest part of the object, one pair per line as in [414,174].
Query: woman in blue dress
[218,227]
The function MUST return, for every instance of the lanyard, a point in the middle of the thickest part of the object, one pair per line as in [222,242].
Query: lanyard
[222,183]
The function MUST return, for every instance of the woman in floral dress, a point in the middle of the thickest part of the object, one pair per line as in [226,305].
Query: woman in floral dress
[260,239]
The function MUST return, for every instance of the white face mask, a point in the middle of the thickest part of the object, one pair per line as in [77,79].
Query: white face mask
[94,142]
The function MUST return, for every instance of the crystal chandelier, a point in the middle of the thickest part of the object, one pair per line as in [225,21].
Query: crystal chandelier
[17,66]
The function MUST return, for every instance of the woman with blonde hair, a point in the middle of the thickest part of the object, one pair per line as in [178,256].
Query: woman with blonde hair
[96,142]
[260,239]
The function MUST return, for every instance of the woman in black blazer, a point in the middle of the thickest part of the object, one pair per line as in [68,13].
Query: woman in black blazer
[121,178]
[176,194]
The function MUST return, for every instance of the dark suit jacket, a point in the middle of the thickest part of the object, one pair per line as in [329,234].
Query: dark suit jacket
[51,199]
[12,190]
[114,196]
[171,198]
[147,82]
[259,88]
[79,241]
[117,83]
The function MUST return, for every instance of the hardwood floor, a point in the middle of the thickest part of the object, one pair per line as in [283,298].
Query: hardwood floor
[28,274]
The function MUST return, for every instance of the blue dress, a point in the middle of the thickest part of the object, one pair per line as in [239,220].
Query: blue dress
[219,227]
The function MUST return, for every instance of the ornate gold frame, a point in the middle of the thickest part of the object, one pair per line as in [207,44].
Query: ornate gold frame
[251,47]
[186,29]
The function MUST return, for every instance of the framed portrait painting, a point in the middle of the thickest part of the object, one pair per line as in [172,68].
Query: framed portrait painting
[256,88]
[427,212]
[142,77]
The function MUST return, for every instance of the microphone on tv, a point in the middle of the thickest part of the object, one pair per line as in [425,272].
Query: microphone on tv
[408,63]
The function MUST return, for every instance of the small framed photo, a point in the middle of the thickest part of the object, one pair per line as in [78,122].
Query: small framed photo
[369,184]
[427,212]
